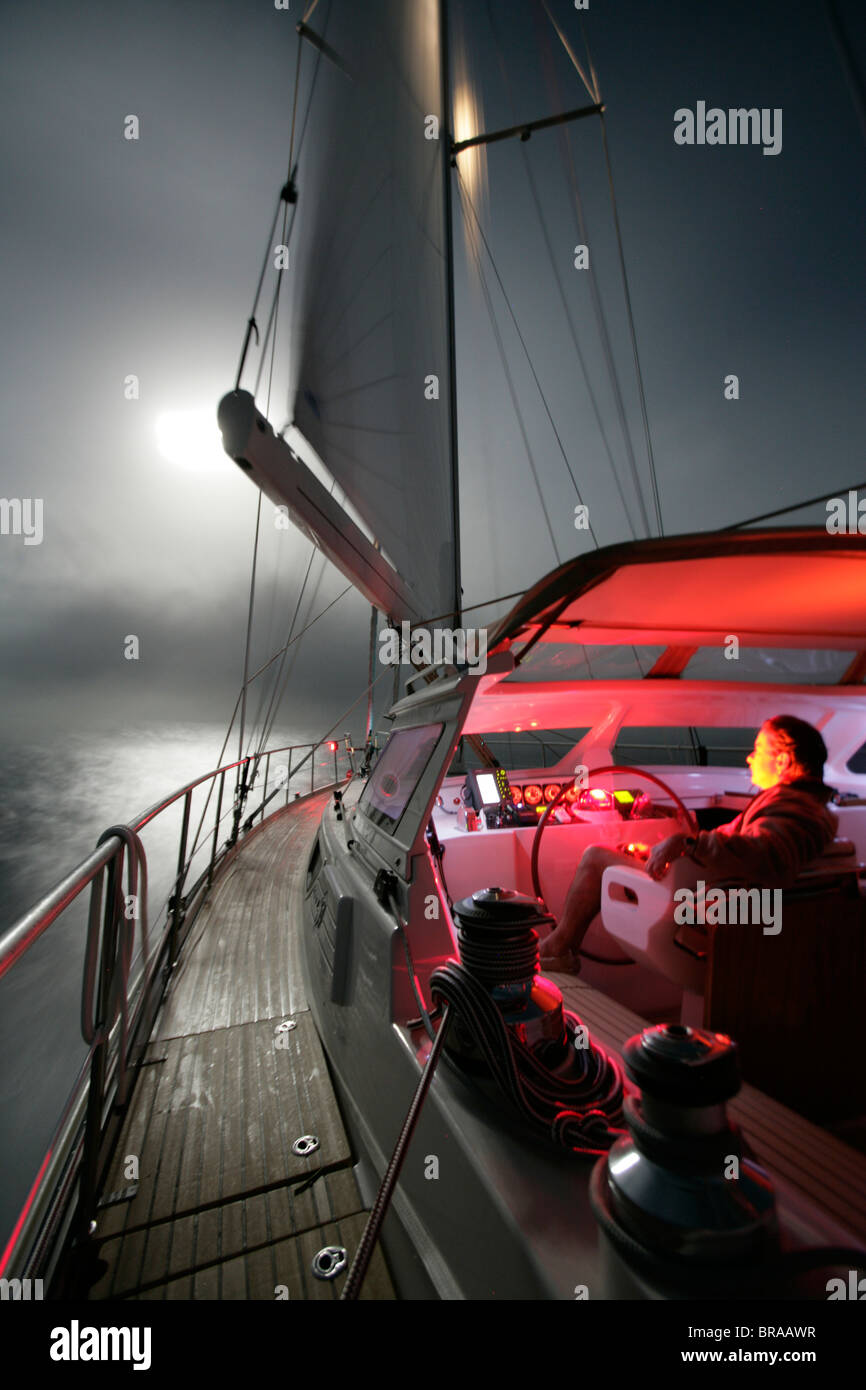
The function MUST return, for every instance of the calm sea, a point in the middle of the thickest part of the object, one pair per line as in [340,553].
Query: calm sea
[56,801]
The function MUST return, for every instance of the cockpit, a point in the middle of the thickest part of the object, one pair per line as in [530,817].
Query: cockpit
[621,712]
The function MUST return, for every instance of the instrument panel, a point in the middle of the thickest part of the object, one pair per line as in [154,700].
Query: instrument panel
[489,798]
[629,803]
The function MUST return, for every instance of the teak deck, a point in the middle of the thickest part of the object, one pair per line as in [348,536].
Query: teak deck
[222,1207]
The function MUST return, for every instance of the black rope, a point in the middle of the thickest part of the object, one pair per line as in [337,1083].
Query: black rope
[581,1114]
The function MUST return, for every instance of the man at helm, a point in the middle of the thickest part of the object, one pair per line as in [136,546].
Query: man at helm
[784,827]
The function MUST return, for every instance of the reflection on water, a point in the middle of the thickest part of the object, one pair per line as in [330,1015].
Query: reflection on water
[57,799]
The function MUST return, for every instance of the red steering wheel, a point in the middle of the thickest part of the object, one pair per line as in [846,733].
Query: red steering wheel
[685,813]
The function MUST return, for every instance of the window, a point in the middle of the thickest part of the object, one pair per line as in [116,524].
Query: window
[775,665]
[522,749]
[857,761]
[568,661]
[683,746]
[397,774]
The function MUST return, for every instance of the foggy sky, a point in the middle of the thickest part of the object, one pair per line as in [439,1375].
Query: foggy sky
[140,257]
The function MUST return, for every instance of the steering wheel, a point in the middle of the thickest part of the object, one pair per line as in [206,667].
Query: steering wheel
[685,813]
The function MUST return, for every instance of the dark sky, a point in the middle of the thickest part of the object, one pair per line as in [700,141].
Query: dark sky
[140,257]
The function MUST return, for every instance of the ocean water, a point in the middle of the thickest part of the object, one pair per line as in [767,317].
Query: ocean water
[57,798]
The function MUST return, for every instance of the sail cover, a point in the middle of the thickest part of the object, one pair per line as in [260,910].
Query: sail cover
[369,357]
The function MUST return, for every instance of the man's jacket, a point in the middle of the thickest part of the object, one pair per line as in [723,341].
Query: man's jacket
[779,832]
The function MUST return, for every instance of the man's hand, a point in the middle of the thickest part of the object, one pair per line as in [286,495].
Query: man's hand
[664,854]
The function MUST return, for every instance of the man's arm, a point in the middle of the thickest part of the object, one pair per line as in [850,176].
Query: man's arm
[770,852]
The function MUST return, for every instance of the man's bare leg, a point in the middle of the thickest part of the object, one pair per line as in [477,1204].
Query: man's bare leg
[583,900]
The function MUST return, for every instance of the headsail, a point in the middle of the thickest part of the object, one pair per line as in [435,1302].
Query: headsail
[370,352]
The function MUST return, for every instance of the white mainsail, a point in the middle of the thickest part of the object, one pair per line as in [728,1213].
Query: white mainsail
[370,348]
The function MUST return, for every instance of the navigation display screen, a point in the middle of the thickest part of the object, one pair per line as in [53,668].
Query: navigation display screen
[397,774]
[488,789]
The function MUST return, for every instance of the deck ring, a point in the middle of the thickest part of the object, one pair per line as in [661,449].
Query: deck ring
[307,1144]
[286,1026]
[330,1262]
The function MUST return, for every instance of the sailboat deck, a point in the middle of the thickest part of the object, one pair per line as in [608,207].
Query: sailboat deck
[221,1206]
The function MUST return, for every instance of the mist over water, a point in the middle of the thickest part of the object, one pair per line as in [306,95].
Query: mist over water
[57,799]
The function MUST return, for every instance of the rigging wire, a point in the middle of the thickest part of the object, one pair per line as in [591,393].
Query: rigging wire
[508,304]
[284,199]
[253,677]
[632,332]
[591,89]
[276,700]
[555,268]
[601,321]
[249,635]
[252,326]
[595,92]
[574,338]
[848,62]
[295,99]
[243,783]
[499,343]
[794,507]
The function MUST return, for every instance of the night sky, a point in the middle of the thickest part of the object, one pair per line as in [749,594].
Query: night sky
[140,257]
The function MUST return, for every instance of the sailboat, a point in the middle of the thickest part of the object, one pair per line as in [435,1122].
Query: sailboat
[338,1071]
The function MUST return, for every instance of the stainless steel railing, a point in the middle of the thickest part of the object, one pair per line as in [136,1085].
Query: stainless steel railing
[122,991]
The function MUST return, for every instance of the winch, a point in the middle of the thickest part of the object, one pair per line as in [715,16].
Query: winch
[509,1032]
[677,1198]
[497,933]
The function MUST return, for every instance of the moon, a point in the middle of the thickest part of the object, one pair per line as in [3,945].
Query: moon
[191,439]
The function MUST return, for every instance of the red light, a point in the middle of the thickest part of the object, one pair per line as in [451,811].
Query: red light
[596,800]
[533,795]
[517,795]
[332,747]
[551,791]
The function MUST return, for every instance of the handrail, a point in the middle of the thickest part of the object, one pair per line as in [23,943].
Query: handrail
[118,1024]
[18,938]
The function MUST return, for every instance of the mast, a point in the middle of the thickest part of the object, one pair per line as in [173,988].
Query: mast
[449,272]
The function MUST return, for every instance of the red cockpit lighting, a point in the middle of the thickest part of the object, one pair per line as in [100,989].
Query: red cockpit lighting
[595,799]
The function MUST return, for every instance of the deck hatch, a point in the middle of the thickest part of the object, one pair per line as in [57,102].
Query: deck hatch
[219,1119]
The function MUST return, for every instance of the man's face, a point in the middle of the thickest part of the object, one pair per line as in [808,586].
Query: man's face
[767,768]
